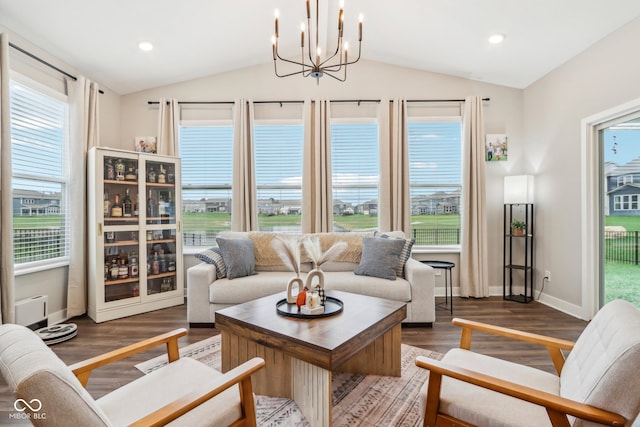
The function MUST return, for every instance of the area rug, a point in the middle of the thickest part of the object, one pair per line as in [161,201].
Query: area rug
[358,400]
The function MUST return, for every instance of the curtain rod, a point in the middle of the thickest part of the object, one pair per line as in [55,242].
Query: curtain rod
[442,100]
[195,102]
[265,102]
[42,61]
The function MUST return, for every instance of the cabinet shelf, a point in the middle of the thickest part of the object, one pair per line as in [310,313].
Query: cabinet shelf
[122,243]
[116,182]
[161,185]
[121,281]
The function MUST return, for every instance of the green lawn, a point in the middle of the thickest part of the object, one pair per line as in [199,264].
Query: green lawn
[622,280]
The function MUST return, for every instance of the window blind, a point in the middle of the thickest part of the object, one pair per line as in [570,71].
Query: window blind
[435,173]
[278,169]
[355,167]
[206,154]
[40,179]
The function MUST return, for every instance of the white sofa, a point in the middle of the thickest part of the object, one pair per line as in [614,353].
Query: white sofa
[206,293]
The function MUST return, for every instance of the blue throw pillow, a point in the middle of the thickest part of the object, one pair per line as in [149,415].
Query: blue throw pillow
[238,256]
[380,257]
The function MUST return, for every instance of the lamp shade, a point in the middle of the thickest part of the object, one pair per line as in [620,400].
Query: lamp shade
[518,189]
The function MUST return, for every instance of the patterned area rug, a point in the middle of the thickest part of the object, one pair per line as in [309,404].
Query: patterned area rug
[358,400]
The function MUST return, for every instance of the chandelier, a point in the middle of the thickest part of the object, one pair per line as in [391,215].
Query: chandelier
[334,65]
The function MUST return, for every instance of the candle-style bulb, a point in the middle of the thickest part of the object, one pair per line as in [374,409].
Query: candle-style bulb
[360,28]
[277,14]
[302,34]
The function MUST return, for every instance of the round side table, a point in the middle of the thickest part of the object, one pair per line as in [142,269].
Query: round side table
[448,281]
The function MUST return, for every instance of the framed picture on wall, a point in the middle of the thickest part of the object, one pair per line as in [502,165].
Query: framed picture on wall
[146,144]
[496,147]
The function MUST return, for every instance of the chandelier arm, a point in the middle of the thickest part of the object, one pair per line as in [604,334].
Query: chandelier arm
[275,68]
[338,78]
[291,61]
[358,58]
[313,64]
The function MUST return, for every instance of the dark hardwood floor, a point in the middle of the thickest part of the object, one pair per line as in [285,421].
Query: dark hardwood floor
[534,317]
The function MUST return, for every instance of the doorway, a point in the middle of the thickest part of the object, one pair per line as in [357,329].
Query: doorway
[593,201]
[620,209]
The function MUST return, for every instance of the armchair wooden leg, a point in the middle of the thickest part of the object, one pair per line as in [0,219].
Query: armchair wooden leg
[247,405]
[558,419]
[433,399]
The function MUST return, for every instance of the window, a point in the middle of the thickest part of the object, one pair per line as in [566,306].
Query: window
[355,167]
[278,169]
[435,173]
[625,179]
[626,202]
[206,153]
[39,136]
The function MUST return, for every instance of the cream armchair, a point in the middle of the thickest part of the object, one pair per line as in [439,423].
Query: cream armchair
[597,384]
[184,392]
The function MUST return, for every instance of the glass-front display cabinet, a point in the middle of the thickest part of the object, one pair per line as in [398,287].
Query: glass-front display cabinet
[135,237]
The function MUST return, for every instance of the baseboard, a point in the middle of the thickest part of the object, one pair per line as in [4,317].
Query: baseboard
[417,325]
[57,317]
[202,325]
[563,306]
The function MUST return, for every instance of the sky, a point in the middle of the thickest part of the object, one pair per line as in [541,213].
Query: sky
[627,146]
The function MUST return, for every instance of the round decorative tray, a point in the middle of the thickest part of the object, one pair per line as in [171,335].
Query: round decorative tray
[331,306]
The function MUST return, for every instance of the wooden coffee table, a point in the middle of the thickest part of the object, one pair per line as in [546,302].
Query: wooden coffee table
[301,354]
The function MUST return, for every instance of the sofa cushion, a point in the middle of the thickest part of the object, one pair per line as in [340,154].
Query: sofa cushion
[243,289]
[214,256]
[238,256]
[406,250]
[380,257]
[346,281]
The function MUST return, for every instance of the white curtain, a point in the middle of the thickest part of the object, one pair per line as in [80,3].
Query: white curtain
[7,283]
[168,127]
[394,207]
[244,199]
[317,191]
[85,131]
[474,278]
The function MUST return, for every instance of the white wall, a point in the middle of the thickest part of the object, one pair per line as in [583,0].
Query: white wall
[367,80]
[600,78]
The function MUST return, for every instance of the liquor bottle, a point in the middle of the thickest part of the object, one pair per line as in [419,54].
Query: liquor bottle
[127,205]
[116,209]
[131,173]
[119,166]
[133,265]
[162,262]
[152,208]
[171,178]
[107,204]
[109,170]
[169,205]
[162,176]
[114,269]
[123,269]
[151,176]
[162,211]
[155,264]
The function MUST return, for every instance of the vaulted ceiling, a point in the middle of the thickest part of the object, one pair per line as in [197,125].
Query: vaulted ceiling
[196,38]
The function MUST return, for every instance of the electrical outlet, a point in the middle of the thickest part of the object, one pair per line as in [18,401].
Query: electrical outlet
[547,274]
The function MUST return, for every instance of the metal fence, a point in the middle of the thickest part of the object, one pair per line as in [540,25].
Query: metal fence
[35,244]
[436,237]
[622,246]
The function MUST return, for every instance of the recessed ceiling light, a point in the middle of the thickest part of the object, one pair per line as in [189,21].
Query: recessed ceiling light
[496,38]
[145,46]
